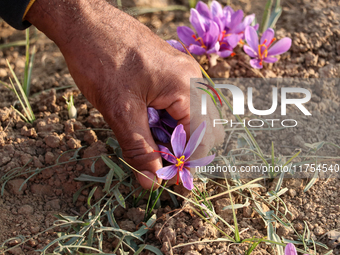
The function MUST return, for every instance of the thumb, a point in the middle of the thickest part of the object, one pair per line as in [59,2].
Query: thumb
[131,127]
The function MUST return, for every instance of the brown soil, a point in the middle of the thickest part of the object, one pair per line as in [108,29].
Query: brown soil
[50,142]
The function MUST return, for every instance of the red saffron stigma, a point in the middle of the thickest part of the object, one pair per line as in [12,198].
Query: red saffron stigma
[165,153]
[233,54]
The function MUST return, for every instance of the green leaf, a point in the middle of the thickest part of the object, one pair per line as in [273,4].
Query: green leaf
[266,16]
[312,181]
[118,172]
[119,196]
[113,143]
[90,195]
[153,249]
[108,181]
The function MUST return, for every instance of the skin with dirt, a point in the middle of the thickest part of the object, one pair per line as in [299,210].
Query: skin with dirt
[50,142]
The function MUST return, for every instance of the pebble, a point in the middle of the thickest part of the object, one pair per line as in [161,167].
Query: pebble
[52,141]
[26,209]
[14,186]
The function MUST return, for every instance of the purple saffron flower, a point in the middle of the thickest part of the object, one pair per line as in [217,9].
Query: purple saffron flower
[234,22]
[229,22]
[179,159]
[290,249]
[206,39]
[264,51]
[159,121]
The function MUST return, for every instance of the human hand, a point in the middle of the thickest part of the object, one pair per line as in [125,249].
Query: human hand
[122,68]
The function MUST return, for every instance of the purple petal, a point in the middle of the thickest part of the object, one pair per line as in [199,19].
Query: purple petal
[197,22]
[203,9]
[270,59]
[177,45]
[280,47]
[252,38]
[228,9]
[238,29]
[195,140]
[248,20]
[167,119]
[178,139]
[161,135]
[195,49]
[255,63]
[233,40]
[200,162]
[219,22]
[249,51]
[166,173]
[214,49]
[256,27]
[210,38]
[267,35]
[186,178]
[224,53]
[216,9]
[167,157]
[236,18]
[290,249]
[153,117]
[185,35]
[227,13]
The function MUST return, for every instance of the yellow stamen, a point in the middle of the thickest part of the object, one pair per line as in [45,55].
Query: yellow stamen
[200,40]
[180,161]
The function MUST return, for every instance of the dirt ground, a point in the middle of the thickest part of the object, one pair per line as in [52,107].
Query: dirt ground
[51,140]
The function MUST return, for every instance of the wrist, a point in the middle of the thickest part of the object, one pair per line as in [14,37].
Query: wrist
[61,20]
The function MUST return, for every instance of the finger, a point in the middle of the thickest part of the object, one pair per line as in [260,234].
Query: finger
[129,122]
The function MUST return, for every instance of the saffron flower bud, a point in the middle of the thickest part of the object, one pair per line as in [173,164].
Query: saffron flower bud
[160,123]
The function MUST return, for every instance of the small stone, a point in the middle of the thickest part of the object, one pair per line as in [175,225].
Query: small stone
[20,64]
[169,235]
[192,253]
[166,248]
[319,231]
[96,119]
[225,214]
[41,190]
[3,73]
[136,215]
[292,192]
[248,212]
[14,186]
[74,143]
[28,132]
[52,141]
[54,204]
[4,113]
[298,226]
[197,223]
[128,225]
[283,231]
[49,158]
[90,137]
[16,251]
[26,209]
[82,109]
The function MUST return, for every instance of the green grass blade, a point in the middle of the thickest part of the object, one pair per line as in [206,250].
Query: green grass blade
[266,16]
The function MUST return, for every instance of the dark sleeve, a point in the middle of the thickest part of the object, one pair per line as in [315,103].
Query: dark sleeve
[12,12]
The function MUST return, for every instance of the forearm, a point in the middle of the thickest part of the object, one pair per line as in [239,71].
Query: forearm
[82,28]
